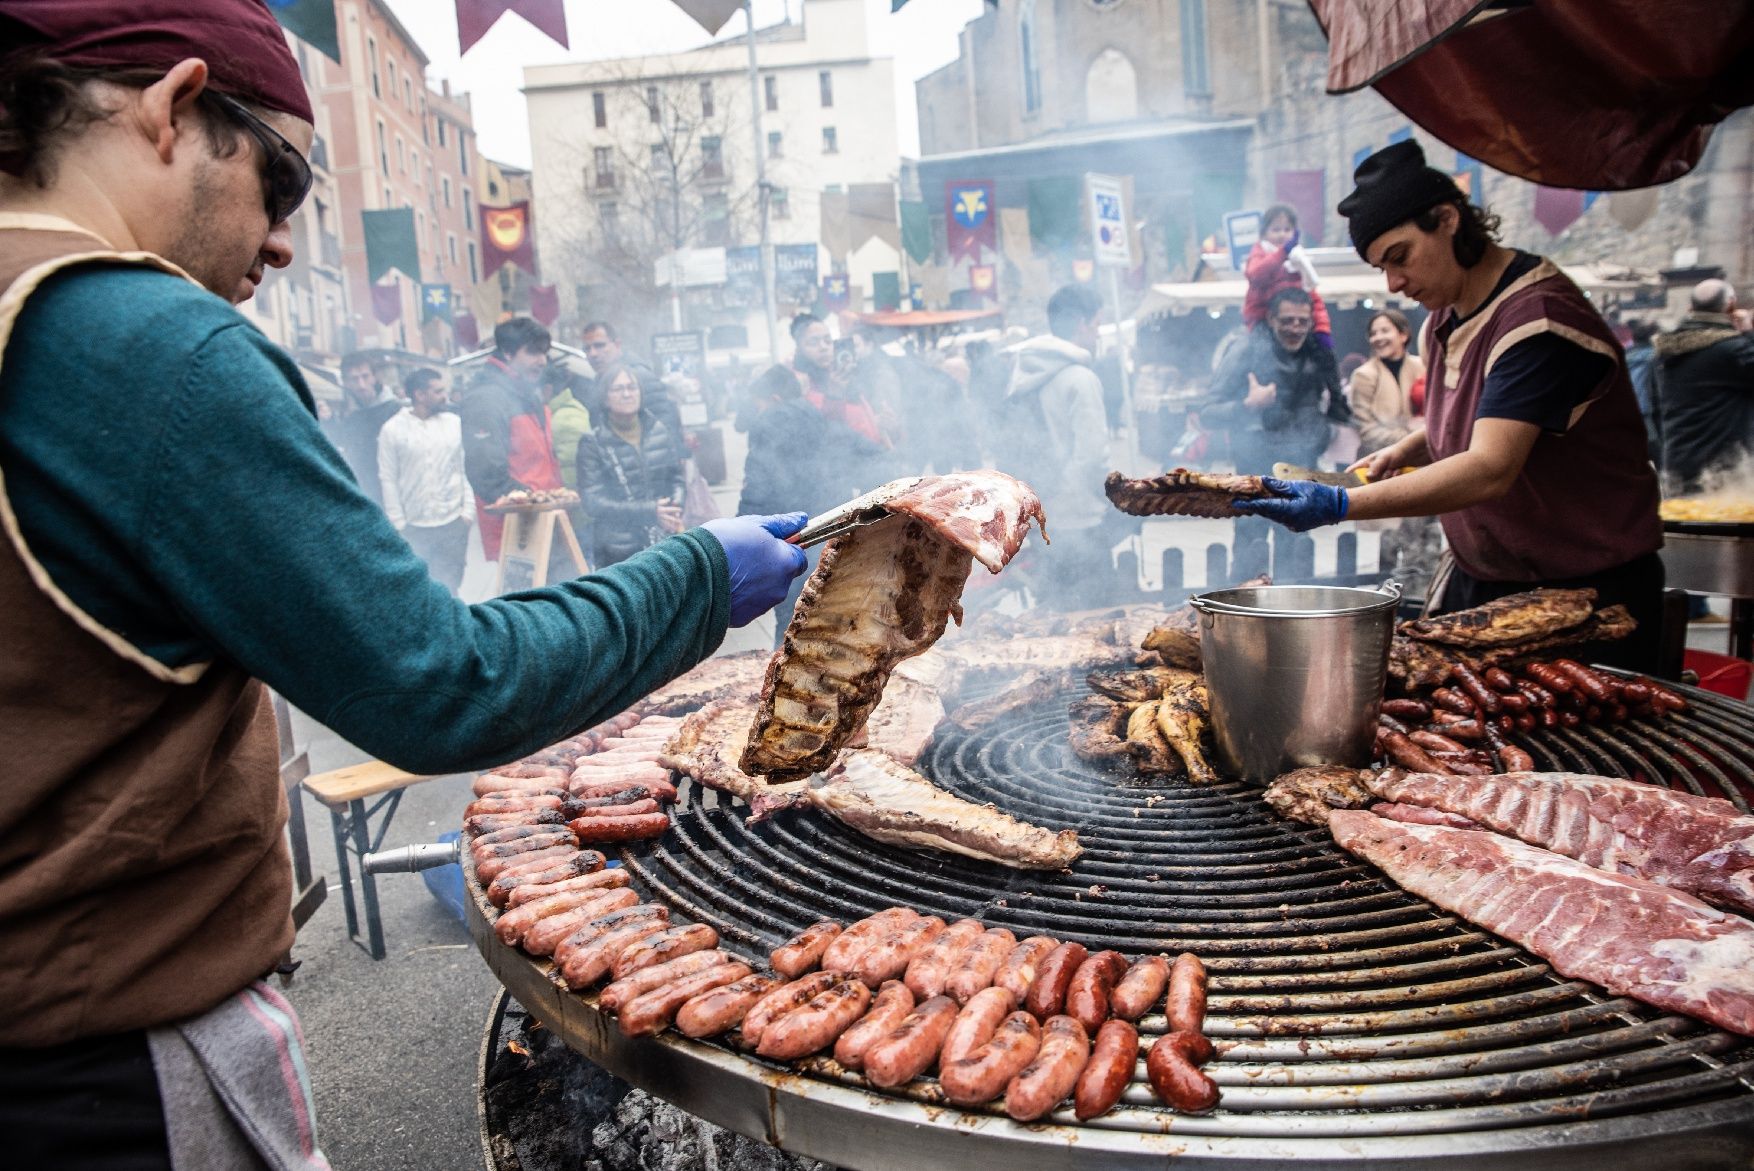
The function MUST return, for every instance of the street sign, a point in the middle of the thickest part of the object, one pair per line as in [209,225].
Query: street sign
[1242,229]
[1109,238]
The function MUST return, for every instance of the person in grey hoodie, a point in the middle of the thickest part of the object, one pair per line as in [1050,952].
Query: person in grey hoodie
[1053,435]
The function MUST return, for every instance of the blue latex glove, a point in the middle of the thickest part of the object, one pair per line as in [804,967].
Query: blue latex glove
[1299,505]
[1296,236]
[1325,340]
[762,564]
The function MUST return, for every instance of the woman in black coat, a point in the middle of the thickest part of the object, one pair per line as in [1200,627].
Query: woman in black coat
[630,472]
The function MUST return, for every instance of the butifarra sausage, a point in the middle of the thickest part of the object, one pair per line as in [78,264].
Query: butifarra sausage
[1088,994]
[595,880]
[1140,989]
[784,999]
[930,968]
[1107,1074]
[632,987]
[1017,973]
[653,1012]
[984,1074]
[803,951]
[1186,1007]
[1047,994]
[975,1024]
[1172,1066]
[846,947]
[1052,1074]
[909,1049]
[620,829]
[672,943]
[722,1009]
[889,957]
[891,1005]
[816,1025]
[511,925]
[978,963]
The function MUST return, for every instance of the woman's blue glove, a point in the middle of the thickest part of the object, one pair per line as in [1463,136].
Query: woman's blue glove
[1296,239]
[762,564]
[1299,505]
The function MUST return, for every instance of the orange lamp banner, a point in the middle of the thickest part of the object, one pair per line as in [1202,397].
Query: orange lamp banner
[505,238]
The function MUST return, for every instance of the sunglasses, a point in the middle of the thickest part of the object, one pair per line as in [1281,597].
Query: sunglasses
[286,176]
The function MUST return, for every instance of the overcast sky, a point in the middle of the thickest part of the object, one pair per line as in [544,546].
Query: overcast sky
[921,37]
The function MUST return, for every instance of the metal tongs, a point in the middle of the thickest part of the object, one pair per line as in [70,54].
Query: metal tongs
[856,513]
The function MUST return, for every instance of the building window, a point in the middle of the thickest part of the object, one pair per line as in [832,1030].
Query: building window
[468,210]
[609,216]
[779,203]
[712,157]
[371,53]
[1196,68]
[463,153]
[600,109]
[716,214]
[652,102]
[451,245]
[474,264]
[383,148]
[1029,53]
[441,130]
[401,156]
[408,93]
[603,159]
[390,64]
[706,99]
[445,188]
[775,144]
[830,141]
[825,85]
[770,88]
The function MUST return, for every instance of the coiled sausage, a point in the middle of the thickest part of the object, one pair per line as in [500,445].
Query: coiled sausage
[1172,1066]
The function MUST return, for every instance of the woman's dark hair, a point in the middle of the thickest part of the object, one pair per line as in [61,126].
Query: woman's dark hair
[1396,319]
[1475,229]
[1277,210]
[43,101]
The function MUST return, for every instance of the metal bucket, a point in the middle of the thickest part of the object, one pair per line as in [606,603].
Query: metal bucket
[1295,673]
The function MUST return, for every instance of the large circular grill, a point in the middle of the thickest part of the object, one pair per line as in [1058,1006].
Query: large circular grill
[1354,1021]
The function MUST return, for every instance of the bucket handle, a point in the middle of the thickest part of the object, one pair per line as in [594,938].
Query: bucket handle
[1200,603]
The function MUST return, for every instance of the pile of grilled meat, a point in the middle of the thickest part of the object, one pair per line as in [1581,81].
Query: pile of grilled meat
[892,997]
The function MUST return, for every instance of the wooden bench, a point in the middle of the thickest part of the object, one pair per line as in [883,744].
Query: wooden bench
[346,792]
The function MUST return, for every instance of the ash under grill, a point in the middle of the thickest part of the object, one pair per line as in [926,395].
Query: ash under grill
[1354,1021]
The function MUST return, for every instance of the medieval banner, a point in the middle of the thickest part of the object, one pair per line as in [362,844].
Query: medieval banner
[970,223]
[505,238]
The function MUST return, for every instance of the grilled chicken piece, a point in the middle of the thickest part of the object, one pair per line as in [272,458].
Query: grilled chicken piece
[1417,665]
[1182,716]
[880,594]
[1175,647]
[884,799]
[1310,794]
[1134,684]
[1517,618]
[1027,690]
[1097,731]
[1605,625]
[1151,750]
[707,745]
[1181,493]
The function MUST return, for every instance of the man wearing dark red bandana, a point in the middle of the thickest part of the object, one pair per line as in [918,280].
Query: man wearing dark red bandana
[176,533]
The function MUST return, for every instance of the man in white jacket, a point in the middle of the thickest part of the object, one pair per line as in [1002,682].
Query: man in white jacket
[1054,435]
[420,466]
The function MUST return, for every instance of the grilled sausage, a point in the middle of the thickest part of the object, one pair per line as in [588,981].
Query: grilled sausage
[636,984]
[1172,1066]
[620,829]
[1664,700]
[893,1002]
[622,796]
[649,1014]
[596,880]
[816,1025]
[1499,680]
[1452,700]
[488,784]
[1186,1007]
[984,1074]
[1045,1081]
[1092,984]
[525,845]
[488,869]
[552,870]
[846,948]
[671,944]
[1109,1070]
[800,953]
[514,804]
[722,1009]
[1047,994]
[975,1025]
[542,939]
[978,963]
[1018,971]
[930,968]
[1139,990]
[585,955]
[488,822]
[511,926]
[1598,687]
[1407,709]
[1385,720]
[1550,677]
[1475,688]
[909,1049]
[783,999]
[512,834]
[1635,692]
[1409,755]
[657,784]
[1435,742]
[888,958]
[635,808]
[519,770]
[1457,727]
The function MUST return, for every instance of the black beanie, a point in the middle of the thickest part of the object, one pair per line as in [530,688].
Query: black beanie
[1393,186]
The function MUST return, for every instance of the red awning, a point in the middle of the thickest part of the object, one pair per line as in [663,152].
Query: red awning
[921,318]
[1599,94]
